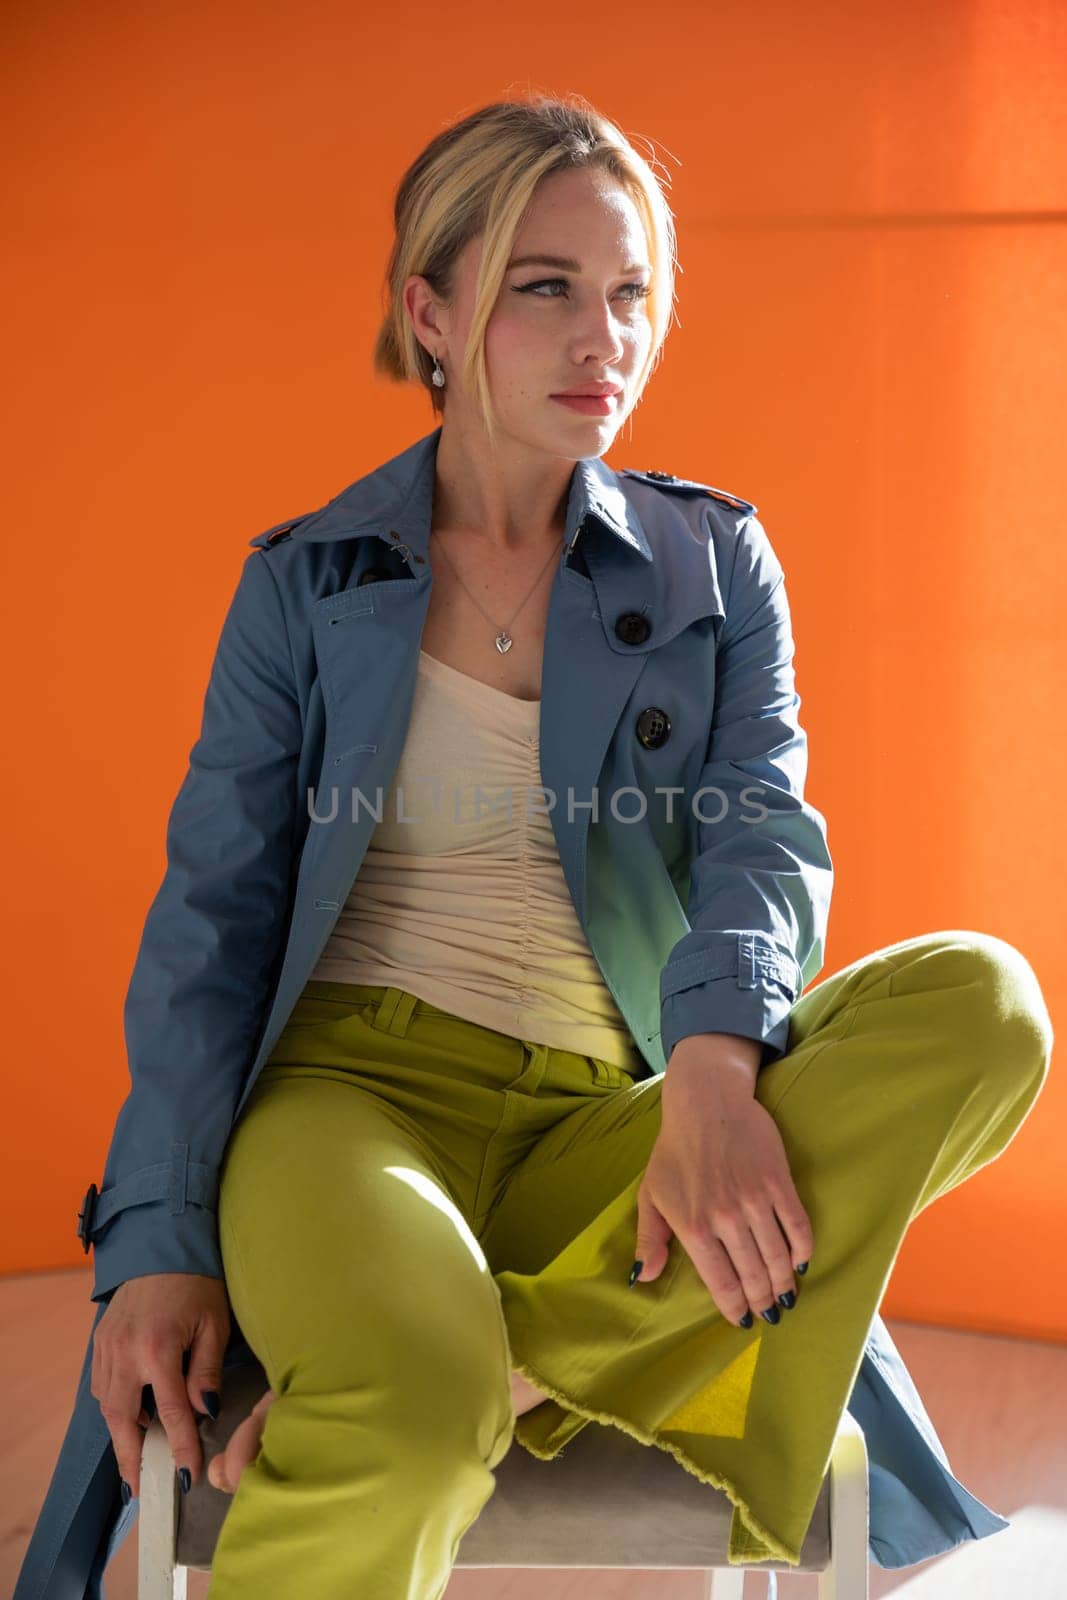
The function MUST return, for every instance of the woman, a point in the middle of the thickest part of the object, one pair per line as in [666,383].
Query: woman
[399,1096]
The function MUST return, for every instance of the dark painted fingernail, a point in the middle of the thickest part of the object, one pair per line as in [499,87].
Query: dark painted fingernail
[127,1492]
[635,1271]
[185,1478]
[211,1401]
[746,1320]
[788,1299]
[772,1314]
[802,1267]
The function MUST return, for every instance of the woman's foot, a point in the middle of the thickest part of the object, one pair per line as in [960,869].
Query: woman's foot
[524,1394]
[225,1469]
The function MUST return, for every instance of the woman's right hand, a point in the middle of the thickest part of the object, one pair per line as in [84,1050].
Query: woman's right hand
[142,1338]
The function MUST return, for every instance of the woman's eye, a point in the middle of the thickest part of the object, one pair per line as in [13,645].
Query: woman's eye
[640,290]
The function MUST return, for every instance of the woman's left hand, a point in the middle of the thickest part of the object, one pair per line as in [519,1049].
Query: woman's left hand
[718,1179]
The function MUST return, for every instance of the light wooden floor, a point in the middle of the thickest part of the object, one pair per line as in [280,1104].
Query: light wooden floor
[999,1405]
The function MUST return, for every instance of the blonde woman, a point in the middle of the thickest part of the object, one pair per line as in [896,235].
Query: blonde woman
[477,1122]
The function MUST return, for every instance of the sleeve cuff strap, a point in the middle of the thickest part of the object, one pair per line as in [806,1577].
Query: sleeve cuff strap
[179,1181]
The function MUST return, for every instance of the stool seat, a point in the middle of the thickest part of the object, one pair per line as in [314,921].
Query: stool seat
[607,1501]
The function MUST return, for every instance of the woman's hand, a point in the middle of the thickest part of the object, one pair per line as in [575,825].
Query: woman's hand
[719,1180]
[141,1339]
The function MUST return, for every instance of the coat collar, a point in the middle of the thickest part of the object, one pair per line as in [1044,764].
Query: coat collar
[397,498]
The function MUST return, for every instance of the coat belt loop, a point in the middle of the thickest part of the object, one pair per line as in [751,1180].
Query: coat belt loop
[179,1177]
[746,961]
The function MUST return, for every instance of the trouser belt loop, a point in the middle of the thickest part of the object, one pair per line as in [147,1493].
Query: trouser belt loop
[529,1079]
[394,1011]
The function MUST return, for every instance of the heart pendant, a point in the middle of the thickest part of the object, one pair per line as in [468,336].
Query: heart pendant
[503,643]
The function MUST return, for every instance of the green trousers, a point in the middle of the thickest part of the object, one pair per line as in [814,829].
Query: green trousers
[412,1206]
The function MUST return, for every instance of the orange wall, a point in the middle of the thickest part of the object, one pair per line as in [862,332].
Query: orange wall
[870,213]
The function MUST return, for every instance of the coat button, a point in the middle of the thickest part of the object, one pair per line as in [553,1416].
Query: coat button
[632,628]
[85,1216]
[374,575]
[664,477]
[653,727]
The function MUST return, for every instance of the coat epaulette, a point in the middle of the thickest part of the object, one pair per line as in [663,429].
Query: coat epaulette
[668,480]
[275,535]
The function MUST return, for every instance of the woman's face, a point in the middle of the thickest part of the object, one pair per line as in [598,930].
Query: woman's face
[558,327]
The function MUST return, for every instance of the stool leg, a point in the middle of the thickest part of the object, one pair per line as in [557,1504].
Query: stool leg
[846,1578]
[157,1520]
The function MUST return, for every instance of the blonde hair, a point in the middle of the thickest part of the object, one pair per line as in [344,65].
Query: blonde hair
[479,177]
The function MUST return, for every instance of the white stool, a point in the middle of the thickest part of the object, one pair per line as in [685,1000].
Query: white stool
[607,1501]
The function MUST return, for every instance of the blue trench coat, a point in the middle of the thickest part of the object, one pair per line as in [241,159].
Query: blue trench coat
[667,667]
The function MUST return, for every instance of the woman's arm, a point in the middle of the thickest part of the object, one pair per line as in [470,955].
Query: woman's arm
[194,1007]
[761,879]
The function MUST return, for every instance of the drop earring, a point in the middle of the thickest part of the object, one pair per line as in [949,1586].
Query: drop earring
[438,376]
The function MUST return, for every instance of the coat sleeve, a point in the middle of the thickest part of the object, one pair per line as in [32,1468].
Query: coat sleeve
[205,965]
[761,876]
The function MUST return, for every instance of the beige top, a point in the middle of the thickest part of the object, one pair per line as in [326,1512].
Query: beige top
[460,898]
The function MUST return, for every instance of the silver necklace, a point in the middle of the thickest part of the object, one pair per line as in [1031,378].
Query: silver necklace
[503,640]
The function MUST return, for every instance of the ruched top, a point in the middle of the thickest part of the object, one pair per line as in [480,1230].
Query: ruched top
[460,898]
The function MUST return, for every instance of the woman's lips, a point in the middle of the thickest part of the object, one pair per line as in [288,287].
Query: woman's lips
[593,405]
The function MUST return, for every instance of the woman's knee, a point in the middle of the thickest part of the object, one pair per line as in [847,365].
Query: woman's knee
[435,1368]
[999,1002]
[397,1425]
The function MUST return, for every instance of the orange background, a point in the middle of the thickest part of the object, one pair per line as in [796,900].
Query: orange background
[870,210]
